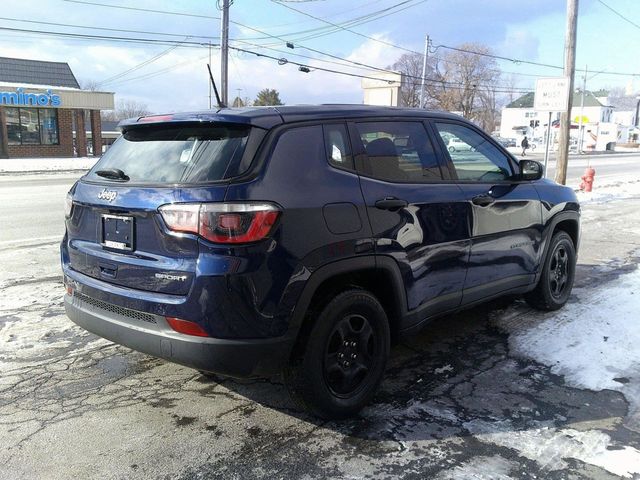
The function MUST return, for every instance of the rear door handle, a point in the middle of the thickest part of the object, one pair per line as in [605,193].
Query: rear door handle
[391,203]
[483,200]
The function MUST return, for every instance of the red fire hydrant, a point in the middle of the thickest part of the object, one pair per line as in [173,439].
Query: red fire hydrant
[587,179]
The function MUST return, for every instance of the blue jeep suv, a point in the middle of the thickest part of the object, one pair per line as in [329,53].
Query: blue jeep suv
[303,239]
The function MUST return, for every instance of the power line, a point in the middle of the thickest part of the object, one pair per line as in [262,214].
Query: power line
[201,44]
[349,74]
[620,14]
[340,27]
[138,66]
[156,73]
[408,76]
[165,12]
[107,37]
[146,10]
[498,57]
[88,27]
[353,31]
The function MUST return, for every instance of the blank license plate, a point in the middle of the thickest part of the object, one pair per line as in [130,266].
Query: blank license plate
[117,232]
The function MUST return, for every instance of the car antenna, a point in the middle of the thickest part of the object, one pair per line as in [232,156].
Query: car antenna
[215,89]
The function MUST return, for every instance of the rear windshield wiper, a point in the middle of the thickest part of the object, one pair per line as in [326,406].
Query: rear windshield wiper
[113,174]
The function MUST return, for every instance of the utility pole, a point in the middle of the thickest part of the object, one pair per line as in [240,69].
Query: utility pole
[224,54]
[424,70]
[569,71]
[584,88]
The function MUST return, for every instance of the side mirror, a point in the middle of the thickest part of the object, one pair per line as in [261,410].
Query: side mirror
[530,170]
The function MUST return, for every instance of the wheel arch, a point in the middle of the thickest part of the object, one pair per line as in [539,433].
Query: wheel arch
[567,221]
[379,275]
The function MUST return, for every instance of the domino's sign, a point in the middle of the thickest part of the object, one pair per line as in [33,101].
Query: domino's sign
[21,99]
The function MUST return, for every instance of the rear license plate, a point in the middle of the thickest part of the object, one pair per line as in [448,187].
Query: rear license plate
[117,232]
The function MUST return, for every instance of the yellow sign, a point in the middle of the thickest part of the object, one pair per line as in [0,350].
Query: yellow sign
[585,119]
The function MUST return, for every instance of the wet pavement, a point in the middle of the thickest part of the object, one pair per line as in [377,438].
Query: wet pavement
[456,401]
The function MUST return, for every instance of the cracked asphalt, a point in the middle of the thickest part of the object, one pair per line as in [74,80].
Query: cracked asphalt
[456,401]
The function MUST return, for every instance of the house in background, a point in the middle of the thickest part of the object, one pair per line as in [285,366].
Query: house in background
[520,119]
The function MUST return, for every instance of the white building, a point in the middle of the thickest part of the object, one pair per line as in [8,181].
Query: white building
[382,89]
[520,119]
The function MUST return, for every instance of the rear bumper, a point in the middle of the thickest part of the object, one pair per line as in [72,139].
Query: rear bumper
[152,335]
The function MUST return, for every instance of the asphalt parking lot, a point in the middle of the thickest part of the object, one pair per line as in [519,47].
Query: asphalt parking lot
[457,400]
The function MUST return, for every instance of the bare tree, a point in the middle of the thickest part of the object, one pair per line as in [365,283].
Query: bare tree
[91,85]
[621,100]
[410,64]
[461,80]
[126,109]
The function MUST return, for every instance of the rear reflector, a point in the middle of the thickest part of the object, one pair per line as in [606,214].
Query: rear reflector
[222,222]
[186,327]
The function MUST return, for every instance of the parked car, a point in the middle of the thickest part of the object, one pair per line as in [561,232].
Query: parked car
[456,145]
[505,142]
[303,239]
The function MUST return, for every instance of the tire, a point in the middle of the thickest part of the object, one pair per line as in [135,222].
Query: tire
[344,357]
[452,149]
[558,273]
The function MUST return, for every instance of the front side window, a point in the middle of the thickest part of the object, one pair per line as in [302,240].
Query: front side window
[474,158]
[32,126]
[398,152]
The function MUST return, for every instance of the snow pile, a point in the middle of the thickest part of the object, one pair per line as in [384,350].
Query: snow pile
[46,164]
[594,343]
[614,191]
[551,448]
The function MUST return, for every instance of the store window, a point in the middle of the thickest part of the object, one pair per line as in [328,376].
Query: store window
[32,126]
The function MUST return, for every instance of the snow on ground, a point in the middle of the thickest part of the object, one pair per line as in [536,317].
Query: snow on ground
[594,342]
[617,190]
[46,164]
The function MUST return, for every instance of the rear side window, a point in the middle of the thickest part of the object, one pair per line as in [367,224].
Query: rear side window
[398,152]
[176,154]
[337,145]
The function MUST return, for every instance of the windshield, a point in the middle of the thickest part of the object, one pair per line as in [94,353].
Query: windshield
[170,154]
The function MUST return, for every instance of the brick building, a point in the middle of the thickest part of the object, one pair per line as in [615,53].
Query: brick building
[40,105]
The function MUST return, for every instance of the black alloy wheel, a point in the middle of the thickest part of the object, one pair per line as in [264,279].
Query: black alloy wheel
[558,272]
[339,363]
[350,355]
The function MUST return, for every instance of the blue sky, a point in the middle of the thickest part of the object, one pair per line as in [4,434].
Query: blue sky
[177,79]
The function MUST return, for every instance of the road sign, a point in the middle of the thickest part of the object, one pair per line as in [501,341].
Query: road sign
[552,94]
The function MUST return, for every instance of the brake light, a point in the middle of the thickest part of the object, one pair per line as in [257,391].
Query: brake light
[68,205]
[155,118]
[222,222]
[186,327]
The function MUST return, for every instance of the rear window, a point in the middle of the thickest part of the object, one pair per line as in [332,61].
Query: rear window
[191,154]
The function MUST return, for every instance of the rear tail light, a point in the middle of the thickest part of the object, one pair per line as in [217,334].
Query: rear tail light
[222,222]
[68,205]
[186,327]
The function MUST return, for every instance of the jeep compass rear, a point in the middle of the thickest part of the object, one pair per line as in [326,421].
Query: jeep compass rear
[146,256]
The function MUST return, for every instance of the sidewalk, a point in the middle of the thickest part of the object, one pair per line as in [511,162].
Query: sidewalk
[45,164]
